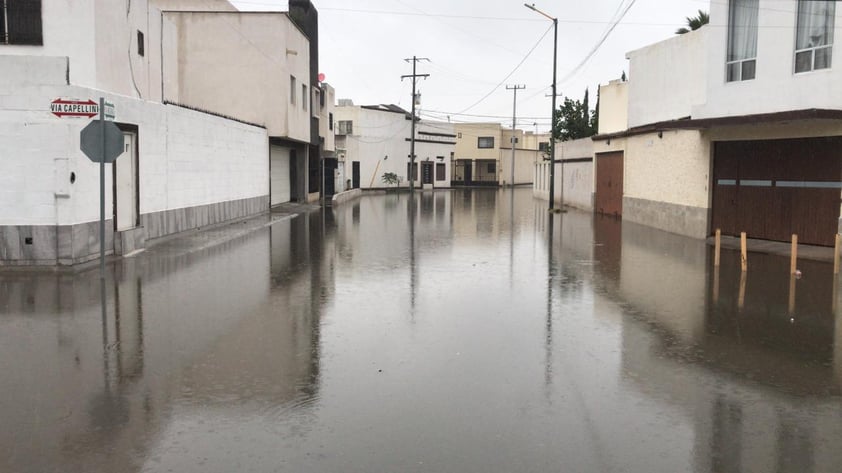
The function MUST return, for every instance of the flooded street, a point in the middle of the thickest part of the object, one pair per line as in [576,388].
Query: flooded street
[463,331]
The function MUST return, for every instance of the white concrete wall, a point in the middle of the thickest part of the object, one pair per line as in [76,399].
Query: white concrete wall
[573,180]
[613,107]
[193,5]
[668,78]
[776,87]
[525,160]
[239,65]
[100,39]
[186,158]
[673,169]
[324,118]
[378,134]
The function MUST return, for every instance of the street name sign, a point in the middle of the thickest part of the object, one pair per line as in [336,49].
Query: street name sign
[91,141]
[74,108]
[109,111]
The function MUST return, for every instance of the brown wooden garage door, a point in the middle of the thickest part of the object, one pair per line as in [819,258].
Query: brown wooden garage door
[773,188]
[609,183]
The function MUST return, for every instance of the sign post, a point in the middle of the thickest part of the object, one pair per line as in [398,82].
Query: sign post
[102,142]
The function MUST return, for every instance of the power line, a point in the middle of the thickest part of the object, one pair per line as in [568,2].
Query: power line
[510,74]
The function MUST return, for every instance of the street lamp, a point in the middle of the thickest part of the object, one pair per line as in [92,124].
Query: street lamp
[552,115]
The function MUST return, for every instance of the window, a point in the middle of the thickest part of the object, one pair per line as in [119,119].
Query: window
[814,35]
[304,96]
[346,127]
[742,40]
[292,89]
[440,172]
[485,142]
[414,171]
[544,146]
[141,47]
[492,168]
[20,22]
[330,121]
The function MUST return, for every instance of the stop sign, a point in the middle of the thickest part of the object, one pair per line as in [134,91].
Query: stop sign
[91,142]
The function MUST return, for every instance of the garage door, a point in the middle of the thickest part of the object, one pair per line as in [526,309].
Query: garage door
[609,183]
[773,188]
[279,167]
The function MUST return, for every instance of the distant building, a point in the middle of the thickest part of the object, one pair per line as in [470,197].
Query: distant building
[374,140]
[484,155]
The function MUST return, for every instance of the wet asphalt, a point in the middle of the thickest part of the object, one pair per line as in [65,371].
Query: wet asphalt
[456,331]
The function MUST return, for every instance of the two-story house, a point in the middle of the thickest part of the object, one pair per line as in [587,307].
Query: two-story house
[484,155]
[736,126]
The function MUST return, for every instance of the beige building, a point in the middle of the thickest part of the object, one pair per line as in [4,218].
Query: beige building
[203,64]
[484,155]
[742,145]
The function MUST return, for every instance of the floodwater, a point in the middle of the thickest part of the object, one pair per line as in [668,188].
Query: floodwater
[463,331]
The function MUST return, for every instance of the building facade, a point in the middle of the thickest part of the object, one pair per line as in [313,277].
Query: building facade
[201,148]
[375,140]
[484,155]
[736,126]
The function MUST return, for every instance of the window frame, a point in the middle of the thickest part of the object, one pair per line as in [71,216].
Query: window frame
[742,63]
[305,95]
[480,142]
[814,49]
[11,36]
[293,90]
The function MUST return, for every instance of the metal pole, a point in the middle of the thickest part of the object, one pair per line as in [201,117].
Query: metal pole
[514,124]
[412,136]
[552,116]
[102,191]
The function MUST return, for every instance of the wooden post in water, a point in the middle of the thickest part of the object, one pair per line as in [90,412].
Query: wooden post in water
[791,306]
[743,252]
[717,248]
[793,259]
[836,254]
[741,300]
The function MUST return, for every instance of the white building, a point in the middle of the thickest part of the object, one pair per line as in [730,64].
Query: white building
[736,126]
[182,168]
[375,140]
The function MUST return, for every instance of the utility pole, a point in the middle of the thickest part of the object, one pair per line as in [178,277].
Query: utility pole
[414,78]
[514,88]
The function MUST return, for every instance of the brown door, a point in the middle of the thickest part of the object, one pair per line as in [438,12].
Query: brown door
[609,183]
[772,189]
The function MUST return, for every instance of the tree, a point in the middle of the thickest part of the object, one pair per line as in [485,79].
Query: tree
[573,120]
[695,22]
[390,178]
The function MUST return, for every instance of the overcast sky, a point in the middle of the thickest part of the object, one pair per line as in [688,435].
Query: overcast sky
[474,44]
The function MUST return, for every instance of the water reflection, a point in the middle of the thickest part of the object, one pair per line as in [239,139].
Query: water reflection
[467,330]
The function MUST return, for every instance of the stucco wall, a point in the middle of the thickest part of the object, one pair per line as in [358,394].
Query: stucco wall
[100,39]
[666,79]
[525,160]
[673,169]
[186,159]
[776,87]
[613,107]
[469,133]
[206,66]
[378,134]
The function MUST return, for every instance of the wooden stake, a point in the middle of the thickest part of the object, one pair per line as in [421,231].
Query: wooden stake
[717,247]
[836,254]
[716,285]
[743,252]
[793,260]
[791,294]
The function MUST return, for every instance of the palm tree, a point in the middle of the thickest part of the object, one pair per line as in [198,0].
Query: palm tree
[695,22]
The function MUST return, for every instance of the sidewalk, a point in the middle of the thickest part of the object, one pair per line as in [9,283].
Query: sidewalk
[808,252]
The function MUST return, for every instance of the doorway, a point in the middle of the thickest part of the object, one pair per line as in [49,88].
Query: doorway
[355,174]
[126,196]
[426,173]
[609,184]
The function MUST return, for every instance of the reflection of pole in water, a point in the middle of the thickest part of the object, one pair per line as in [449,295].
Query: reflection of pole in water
[716,285]
[741,300]
[791,305]
[413,274]
[548,341]
[102,301]
[512,238]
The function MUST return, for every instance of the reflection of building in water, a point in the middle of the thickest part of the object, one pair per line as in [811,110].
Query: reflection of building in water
[209,328]
[736,356]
